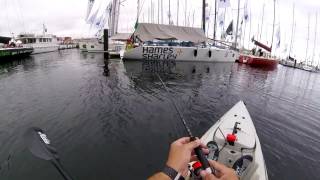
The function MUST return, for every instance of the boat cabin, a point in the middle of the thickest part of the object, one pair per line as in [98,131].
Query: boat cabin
[32,39]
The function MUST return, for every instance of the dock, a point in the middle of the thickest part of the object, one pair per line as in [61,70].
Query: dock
[6,53]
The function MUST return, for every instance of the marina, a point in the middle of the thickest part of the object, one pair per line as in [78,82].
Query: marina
[159,90]
[95,111]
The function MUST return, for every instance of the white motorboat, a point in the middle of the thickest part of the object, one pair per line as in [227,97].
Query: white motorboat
[168,42]
[233,141]
[308,68]
[289,61]
[40,43]
[83,43]
[116,44]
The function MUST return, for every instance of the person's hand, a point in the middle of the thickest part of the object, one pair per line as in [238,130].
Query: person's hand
[181,153]
[222,172]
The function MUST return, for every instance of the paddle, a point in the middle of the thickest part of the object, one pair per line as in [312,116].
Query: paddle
[39,145]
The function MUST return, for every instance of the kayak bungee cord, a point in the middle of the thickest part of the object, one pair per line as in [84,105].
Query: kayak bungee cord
[198,151]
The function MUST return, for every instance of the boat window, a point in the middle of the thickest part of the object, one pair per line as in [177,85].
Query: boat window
[40,39]
[30,40]
[92,46]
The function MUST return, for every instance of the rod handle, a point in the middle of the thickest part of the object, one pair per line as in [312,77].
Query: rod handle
[201,157]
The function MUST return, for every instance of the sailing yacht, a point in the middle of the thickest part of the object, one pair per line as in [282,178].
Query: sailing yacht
[169,42]
[307,65]
[262,57]
[290,61]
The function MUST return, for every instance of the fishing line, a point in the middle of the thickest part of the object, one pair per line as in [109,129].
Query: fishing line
[176,107]
[198,151]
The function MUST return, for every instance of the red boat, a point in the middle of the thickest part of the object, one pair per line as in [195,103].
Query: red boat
[259,59]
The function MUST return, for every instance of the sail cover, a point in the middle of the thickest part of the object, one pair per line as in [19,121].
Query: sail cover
[149,32]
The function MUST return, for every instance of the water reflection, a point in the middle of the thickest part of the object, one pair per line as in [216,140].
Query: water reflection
[111,114]
[13,65]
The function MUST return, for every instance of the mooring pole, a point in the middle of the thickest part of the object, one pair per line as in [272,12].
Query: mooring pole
[105,43]
[204,16]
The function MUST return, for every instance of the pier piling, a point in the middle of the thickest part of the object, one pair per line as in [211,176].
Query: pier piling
[105,43]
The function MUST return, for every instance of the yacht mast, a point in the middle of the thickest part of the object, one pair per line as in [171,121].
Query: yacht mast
[308,38]
[274,18]
[114,18]
[204,16]
[158,12]
[185,13]
[161,11]
[315,38]
[138,11]
[208,23]
[169,12]
[292,31]
[237,27]
[215,21]
[151,4]
[177,13]
[262,21]
[249,29]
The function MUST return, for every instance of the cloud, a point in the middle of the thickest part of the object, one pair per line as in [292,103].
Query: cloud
[60,16]
[67,17]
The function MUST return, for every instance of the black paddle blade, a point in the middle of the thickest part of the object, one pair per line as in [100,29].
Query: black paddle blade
[39,144]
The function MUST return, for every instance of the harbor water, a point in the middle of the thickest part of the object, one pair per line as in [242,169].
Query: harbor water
[114,120]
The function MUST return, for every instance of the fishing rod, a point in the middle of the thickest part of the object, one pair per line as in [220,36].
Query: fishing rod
[39,145]
[197,150]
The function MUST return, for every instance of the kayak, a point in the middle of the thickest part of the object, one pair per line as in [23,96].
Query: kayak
[233,141]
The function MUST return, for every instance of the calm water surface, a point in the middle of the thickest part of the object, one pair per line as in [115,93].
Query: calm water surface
[113,120]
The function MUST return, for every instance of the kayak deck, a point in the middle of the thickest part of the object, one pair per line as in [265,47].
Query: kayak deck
[244,154]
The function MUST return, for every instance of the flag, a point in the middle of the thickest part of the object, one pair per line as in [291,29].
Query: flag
[136,25]
[99,21]
[240,29]
[221,19]
[92,18]
[44,28]
[224,3]
[278,37]
[229,30]
[90,5]
[245,13]
[207,12]
[285,49]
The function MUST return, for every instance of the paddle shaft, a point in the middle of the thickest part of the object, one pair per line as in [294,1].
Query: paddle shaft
[61,170]
[197,150]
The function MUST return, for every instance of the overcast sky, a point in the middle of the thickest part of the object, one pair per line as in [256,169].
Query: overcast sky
[67,18]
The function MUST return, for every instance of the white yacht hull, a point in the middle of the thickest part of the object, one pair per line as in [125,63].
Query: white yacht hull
[288,63]
[37,49]
[83,46]
[207,54]
[114,48]
[44,49]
